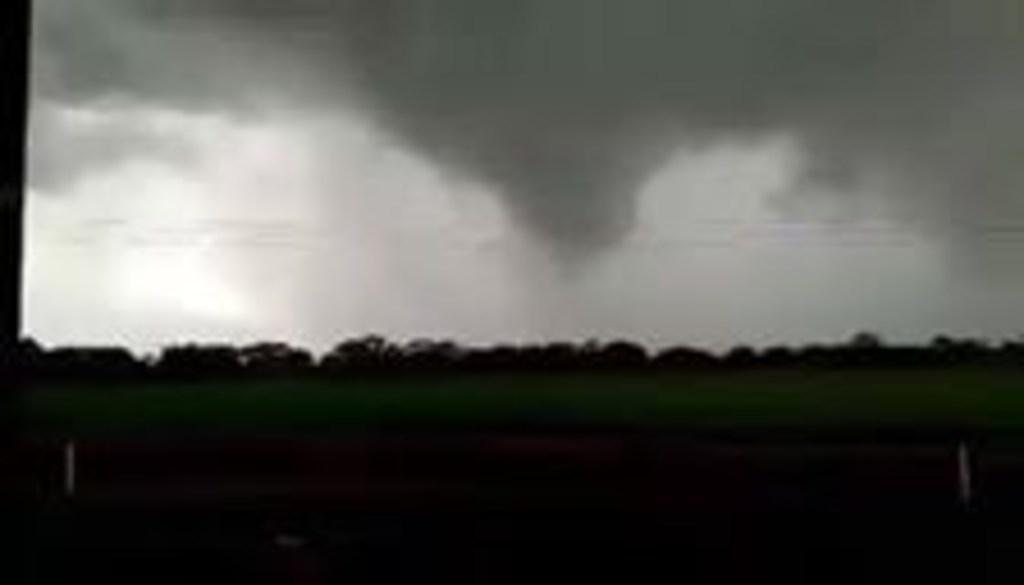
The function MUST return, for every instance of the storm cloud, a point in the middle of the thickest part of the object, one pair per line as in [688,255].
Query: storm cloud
[566,108]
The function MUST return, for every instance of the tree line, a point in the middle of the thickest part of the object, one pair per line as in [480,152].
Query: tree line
[376,355]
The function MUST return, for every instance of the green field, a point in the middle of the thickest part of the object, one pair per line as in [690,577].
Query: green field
[983,401]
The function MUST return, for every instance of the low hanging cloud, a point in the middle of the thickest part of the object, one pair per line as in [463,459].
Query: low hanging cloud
[566,108]
[69,143]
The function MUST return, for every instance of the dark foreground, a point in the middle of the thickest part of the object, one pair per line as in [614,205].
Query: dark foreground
[526,508]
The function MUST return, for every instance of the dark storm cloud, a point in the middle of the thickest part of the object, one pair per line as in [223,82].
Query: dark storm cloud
[566,107]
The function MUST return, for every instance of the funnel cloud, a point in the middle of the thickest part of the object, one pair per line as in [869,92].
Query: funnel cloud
[566,108]
[714,171]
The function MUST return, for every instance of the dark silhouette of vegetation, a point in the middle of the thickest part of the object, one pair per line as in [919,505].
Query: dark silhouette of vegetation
[376,355]
[372,353]
[684,358]
[275,359]
[81,363]
[740,357]
[200,361]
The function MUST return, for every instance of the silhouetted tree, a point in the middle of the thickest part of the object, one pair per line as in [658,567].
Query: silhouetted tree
[779,356]
[621,355]
[427,354]
[489,359]
[377,355]
[561,357]
[275,359]
[864,349]
[814,356]
[951,351]
[199,361]
[31,359]
[684,358]
[1011,353]
[866,340]
[372,353]
[90,364]
[740,357]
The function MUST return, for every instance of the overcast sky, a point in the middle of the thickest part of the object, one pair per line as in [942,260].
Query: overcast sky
[707,172]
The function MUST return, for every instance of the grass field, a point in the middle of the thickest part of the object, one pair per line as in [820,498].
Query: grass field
[604,511]
[981,401]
